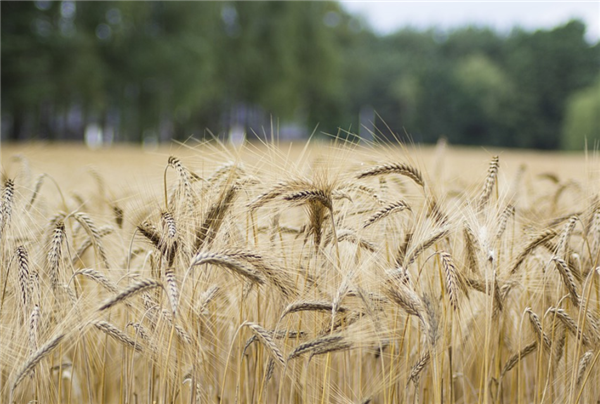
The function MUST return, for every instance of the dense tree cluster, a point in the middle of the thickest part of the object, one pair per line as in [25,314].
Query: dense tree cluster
[160,70]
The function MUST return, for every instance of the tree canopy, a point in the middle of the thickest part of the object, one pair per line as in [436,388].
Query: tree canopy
[162,70]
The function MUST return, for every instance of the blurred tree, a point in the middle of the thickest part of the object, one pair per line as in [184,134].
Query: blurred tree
[161,70]
[546,67]
[481,103]
[582,120]
[283,57]
[26,65]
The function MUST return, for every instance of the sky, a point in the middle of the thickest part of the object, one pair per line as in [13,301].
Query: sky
[387,16]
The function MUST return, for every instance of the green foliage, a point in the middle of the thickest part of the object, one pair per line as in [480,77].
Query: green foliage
[582,120]
[175,69]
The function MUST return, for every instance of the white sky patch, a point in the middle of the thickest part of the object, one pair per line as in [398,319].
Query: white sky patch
[388,16]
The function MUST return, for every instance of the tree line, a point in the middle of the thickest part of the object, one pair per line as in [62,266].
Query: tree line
[153,71]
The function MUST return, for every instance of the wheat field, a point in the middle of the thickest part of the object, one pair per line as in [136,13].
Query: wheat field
[325,273]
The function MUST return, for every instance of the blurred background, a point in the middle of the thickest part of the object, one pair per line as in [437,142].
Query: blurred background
[149,72]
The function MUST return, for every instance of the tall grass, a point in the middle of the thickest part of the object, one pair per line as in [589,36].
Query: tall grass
[351,279]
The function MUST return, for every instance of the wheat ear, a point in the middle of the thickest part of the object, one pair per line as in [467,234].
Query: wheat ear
[266,339]
[418,367]
[451,279]
[34,359]
[424,245]
[516,358]
[568,279]
[394,168]
[172,289]
[309,306]
[138,287]
[540,239]
[86,222]
[398,206]
[98,277]
[185,180]
[36,191]
[315,345]
[24,280]
[55,253]
[6,204]
[508,212]
[226,261]
[570,324]
[584,362]
[117,334]
[536,325]
[488,185]
[169,224]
